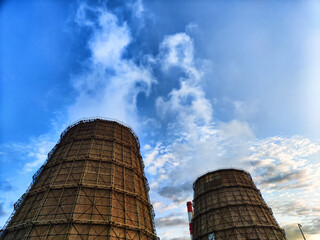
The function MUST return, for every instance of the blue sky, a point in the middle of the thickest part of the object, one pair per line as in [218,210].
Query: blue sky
[205,84]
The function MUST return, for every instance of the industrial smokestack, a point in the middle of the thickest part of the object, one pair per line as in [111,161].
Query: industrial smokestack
[190,217]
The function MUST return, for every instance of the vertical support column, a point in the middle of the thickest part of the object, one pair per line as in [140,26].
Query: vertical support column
[79,188]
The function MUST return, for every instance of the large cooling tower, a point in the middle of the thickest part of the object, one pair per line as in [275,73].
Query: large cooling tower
[91,187]
[228,206]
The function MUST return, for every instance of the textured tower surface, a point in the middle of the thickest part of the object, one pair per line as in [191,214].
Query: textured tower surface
[228,206]
[92,186]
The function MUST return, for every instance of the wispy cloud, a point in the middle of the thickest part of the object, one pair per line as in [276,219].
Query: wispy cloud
[110,83]
[287,170]
[107,86]
[32,153]
[285,162]
[188,101]
[172,220]
[6,186]
[188,139]
[178,193]
[3,213]
[196,142]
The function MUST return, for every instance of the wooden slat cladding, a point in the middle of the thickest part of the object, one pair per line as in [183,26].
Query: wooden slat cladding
[228,206]
[91,187]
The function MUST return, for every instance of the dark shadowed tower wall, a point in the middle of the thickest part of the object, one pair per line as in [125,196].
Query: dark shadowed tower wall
[228,206]
[91,187]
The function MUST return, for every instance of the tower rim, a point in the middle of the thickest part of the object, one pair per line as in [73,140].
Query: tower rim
[221,170]
[98,118]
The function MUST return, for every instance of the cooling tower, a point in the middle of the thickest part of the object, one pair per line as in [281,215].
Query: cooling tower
[228,206]
[92,186]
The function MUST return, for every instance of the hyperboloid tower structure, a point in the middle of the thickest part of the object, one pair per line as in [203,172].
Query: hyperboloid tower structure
[92,186]
[228,206]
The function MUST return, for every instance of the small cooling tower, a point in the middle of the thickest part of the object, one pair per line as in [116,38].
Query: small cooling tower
[228,206]
[91,187]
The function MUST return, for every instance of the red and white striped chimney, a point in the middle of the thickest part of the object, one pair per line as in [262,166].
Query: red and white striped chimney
[190,216]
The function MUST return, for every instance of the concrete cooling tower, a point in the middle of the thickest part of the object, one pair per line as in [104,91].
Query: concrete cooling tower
[92,186]
[228,206]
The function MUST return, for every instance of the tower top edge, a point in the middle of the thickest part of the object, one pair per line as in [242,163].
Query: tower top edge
[110,120]
[222,170]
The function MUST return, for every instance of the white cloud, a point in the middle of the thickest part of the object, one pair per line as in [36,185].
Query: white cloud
[160,207]
[277,156]
[284,170]
[188,101]
[195,141]
[197,144]
[237,129]
[177,50]
[33,153]
[192,28]
[282,167]
[139,8]
[110,85]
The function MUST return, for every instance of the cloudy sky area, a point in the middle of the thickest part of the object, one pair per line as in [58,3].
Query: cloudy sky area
[205,84]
